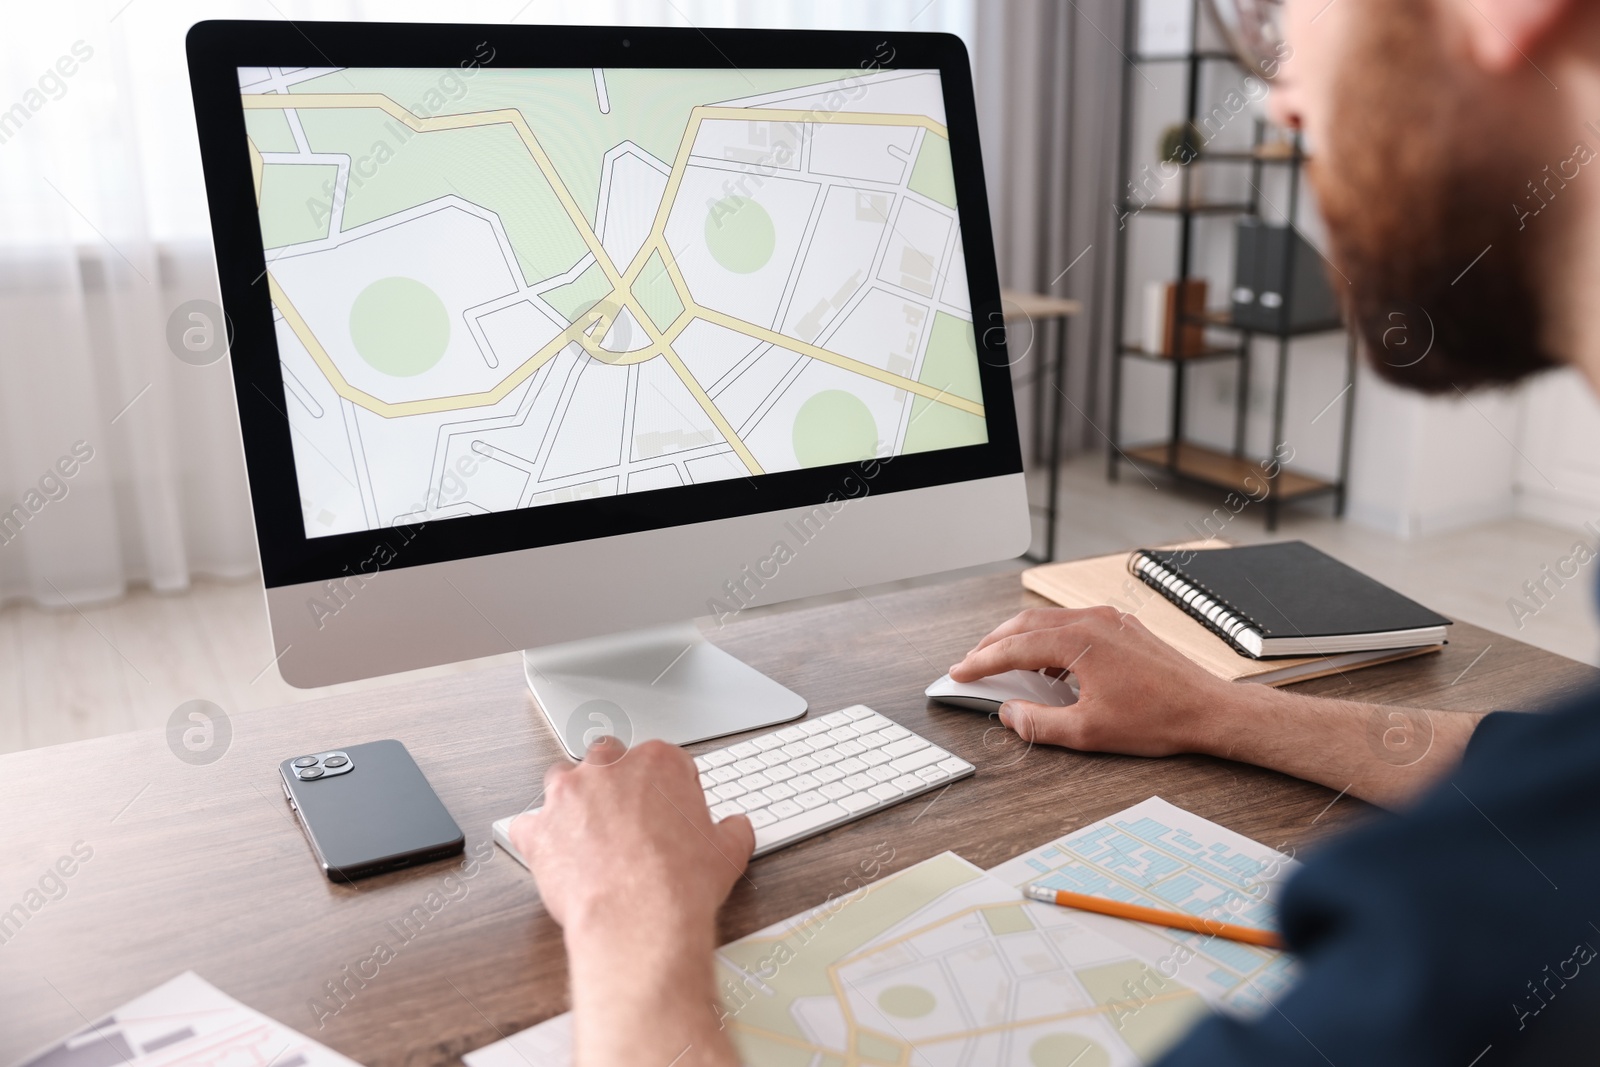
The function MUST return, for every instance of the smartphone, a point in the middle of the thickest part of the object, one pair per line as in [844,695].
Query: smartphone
[367,809]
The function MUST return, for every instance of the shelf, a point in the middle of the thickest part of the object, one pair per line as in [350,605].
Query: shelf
[1222,470]
[1208,352]
[1267,153]
[1202,208]
[1222,318]
[1217,54]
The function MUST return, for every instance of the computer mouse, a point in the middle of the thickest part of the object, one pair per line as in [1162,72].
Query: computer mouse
[987,694]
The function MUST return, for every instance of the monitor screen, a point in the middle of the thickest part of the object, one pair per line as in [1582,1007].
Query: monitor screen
[498,289]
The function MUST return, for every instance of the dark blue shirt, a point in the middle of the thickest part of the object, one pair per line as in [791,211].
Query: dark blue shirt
[1461,932]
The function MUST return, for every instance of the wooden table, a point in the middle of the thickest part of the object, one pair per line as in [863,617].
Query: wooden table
[203,868]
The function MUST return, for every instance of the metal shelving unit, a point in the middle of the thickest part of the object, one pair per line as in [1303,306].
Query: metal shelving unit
[1183,460]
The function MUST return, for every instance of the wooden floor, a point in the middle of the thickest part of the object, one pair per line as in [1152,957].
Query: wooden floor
[128,665]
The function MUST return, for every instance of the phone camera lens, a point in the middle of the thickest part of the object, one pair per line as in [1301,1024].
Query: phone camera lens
[311,772]
[335,761]
[626,43]
[306,761]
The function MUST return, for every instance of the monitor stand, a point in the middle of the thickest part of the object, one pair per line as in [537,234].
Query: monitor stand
[666,682]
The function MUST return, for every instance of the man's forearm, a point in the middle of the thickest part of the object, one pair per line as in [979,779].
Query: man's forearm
[1384,755]
[646,997]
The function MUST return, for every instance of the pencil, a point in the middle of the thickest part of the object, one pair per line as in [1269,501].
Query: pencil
[1179,920]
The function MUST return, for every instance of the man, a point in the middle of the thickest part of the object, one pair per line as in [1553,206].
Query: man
[1450,139]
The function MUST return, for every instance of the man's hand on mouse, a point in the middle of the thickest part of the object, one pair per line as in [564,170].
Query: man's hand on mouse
[1136,694]
[630,863]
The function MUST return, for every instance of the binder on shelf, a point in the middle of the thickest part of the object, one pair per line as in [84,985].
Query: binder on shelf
[1262,257]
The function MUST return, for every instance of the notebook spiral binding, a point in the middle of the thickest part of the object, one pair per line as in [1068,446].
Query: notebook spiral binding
[1199,602]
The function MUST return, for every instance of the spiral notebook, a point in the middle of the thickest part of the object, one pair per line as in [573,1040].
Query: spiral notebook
[1286,599]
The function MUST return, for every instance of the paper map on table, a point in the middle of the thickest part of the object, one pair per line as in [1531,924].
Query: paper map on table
[944,964]
[188,1022]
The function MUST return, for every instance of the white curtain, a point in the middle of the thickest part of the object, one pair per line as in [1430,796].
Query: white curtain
[1048,85]
[120,463]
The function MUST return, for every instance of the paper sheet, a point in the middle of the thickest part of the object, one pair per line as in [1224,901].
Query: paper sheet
[187,1022]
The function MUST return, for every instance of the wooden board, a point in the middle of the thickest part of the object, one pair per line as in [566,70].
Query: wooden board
[202,867]
[1228,471]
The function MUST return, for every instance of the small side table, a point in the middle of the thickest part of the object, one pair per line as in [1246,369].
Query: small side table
[1041,309]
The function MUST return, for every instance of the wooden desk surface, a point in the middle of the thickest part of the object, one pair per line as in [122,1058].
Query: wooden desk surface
[204,868]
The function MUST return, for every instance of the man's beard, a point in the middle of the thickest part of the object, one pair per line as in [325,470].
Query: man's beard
[1417,186]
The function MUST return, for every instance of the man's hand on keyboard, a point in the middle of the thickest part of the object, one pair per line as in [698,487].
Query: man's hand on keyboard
[629,862]
[1137,695]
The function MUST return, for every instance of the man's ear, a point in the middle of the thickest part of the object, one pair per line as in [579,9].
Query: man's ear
[1504,33]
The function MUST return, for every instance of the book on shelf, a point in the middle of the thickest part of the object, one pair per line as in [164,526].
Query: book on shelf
[1172,312]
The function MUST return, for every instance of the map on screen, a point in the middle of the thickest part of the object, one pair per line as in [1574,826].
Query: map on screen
[498,289]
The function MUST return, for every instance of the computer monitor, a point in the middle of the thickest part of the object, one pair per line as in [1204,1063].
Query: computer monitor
[551,339]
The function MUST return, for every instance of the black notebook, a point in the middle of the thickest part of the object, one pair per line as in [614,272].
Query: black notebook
[1286,599]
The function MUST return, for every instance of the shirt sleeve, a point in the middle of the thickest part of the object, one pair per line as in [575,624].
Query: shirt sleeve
[1428,937]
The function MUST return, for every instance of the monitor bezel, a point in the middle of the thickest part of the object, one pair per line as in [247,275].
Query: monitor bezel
[216,49]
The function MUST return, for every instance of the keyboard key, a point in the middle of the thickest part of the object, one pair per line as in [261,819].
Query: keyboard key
[755,781]
[706,781]
[882,774]
[955,765]
[908,782]
[827,774]
[851,766]
[725,774]
[785,809]
[857,802]
[896,732]
[743,750]
[725,809]
[932,774]
[777,792]
[761,817]
[837,718]
[719,757]
[842,733]
[849,748]
[796,749]
[748,765]
[923,757]
[835,790]
[772,758]
[782,772]
[906,744]
[874,758]
[729,790]
[753,802]
[859,712]
[885,791]
[858,782]
[790,733]
[876,740]
[827,756]
[804,764]
[702,764]
[810,800]
[767,742]
[802,823]
[803,782]
[813,726]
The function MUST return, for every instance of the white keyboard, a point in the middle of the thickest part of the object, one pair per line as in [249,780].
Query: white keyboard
[815,775]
